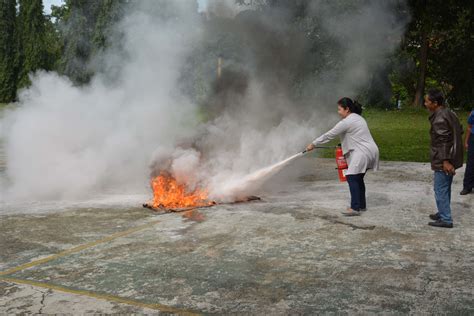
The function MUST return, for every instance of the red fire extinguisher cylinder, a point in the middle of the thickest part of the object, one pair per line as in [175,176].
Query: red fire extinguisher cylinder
[341,164]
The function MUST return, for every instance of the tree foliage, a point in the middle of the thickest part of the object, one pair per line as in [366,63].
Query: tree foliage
[32,46]
[7,51]
[438,45]
[85,27]
[437,48]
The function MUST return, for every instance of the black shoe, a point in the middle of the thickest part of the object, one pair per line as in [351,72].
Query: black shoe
[435,217]
[465,191]
[440,223]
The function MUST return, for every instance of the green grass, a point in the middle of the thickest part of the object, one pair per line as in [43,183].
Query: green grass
[401,135]
[4,106]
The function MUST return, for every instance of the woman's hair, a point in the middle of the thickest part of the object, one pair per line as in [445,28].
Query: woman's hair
[434,95]
[353,106]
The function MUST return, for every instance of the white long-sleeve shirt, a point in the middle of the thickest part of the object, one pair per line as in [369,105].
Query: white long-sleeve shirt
[357,143]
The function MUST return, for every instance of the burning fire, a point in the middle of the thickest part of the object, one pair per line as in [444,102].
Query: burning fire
[169,194]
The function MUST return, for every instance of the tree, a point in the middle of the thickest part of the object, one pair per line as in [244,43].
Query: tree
[32,50]
[439,39]
[109,13]
[53,43]
[423,27]
[7,51]
[86,26]
[453,55]
[77,26]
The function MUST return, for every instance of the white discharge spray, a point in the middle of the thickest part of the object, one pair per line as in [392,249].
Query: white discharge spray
[251,182]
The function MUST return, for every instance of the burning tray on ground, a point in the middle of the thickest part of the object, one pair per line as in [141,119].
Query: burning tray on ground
[211,204]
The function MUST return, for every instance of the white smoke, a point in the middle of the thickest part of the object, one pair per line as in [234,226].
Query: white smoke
[184,166]
[67,142]
[223,8]
[367,35]
[263,127]
[64,141]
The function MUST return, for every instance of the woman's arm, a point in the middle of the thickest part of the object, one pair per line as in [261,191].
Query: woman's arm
[337,130]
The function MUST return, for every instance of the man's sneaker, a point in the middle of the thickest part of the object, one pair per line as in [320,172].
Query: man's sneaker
[351,212]
[465,191]
[435,217]
[440,223]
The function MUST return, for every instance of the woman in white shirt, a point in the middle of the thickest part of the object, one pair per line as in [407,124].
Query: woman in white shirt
[359,149]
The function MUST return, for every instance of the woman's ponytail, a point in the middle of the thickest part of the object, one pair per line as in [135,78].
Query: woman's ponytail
[357,108]
[353,106]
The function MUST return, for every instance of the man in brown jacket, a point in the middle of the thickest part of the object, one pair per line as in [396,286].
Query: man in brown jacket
[446,154]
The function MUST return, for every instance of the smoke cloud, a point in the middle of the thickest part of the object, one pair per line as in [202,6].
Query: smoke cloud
[63,141]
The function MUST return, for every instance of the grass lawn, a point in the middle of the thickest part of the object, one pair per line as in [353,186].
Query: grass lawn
[3,105]
[401,135]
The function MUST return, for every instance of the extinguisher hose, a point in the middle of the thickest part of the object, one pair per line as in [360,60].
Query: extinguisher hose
[319,147]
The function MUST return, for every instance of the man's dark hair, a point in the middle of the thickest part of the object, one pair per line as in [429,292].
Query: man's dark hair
[353,106]
[435,95]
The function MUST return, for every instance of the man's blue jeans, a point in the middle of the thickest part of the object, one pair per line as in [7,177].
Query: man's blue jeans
[442,189]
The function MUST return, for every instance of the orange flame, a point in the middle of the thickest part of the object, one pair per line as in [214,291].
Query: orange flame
[168,193]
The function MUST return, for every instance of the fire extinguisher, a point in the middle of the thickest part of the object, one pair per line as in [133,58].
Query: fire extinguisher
[341,164]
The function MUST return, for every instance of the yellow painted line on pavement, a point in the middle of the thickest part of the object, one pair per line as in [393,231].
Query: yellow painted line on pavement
[106,297]
[77,249]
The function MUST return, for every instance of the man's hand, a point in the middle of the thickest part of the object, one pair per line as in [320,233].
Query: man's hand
[310,147]
[466,145]
[448,168]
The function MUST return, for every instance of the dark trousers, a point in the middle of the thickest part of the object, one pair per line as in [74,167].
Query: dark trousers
[469,174]
[357,188]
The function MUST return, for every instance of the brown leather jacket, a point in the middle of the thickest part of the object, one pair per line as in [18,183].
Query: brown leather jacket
[446,139]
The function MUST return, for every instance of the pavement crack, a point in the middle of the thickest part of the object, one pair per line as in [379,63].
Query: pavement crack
[334,220]
[43,297]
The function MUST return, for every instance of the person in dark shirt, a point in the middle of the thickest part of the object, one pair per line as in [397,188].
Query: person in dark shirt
[468,183]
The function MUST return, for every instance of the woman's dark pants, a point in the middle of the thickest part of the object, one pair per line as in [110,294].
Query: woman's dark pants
[357,188]
[469,174]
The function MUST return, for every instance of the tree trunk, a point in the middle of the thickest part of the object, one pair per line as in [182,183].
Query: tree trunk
[420,86]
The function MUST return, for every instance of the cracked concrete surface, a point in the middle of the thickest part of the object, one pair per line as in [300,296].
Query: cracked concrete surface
[21,299]
[292,253]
